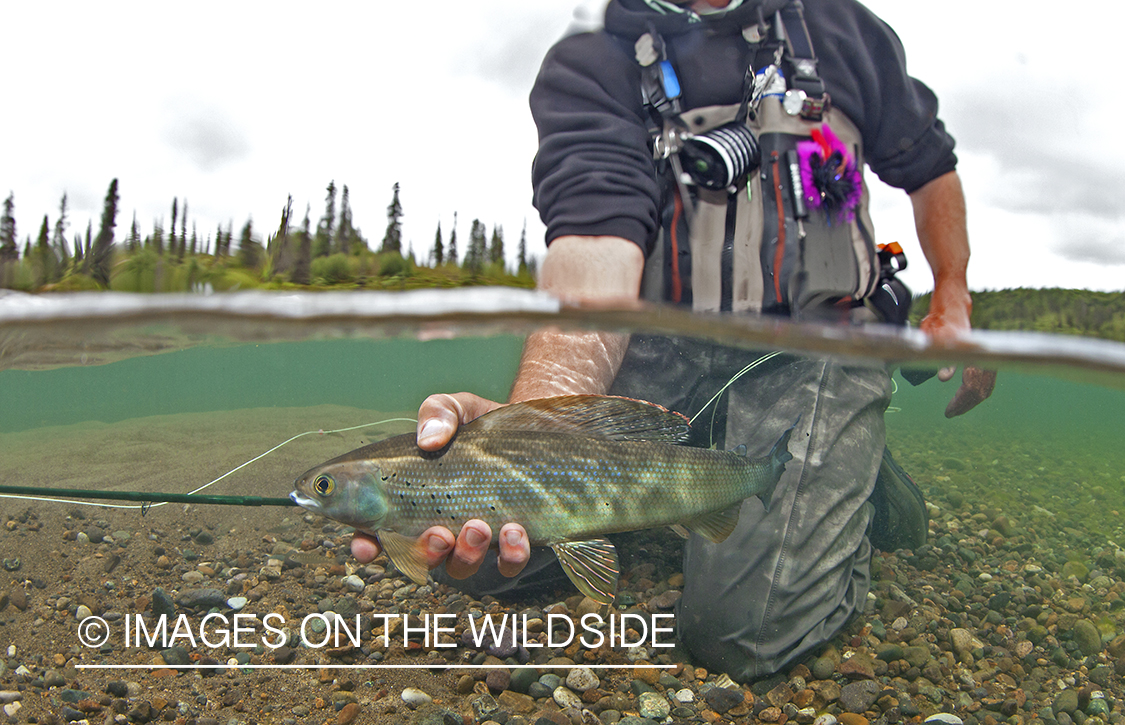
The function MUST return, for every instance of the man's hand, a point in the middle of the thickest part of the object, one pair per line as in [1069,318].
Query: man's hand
[438,419]
[947,323]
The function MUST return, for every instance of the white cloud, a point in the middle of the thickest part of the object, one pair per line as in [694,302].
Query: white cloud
[236,106]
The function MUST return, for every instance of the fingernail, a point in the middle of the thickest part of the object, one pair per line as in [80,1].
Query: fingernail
[475,538]
[437,545]
[513,538]
[431,428]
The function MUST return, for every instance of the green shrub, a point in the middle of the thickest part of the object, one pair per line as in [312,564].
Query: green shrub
[332,269]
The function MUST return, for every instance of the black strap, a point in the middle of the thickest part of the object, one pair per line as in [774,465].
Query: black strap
[802,57]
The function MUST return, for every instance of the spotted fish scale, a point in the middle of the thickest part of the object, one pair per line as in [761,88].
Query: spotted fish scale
[570,470]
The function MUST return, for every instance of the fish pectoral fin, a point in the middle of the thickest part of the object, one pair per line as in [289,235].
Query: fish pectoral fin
[680,531]
[405,553]
[715,526]
[592,566]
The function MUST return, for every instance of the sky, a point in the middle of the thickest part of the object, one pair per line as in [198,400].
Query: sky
[236,106]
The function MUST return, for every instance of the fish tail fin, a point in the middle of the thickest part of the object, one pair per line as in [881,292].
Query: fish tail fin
[778,457]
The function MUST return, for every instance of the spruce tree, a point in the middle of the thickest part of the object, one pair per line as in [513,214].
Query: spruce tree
[183,231]
[345,233]
[281,252]
[475,255]
[173,249]
[194,240]
[452,249]
[522,253]
[102,261]
[133,241]
[392,239]
[58,239]
[45,261]
[87,258]
[157,238]
[323,245]
[496,247]
[219,241]
[249,250]
[303,261]
[438,252]
[9,252]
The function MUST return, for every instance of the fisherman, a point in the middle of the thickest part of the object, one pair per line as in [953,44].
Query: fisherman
[709,153]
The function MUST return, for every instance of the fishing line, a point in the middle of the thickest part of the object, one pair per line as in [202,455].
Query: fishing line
[739,374]
[894,389]
[180,498]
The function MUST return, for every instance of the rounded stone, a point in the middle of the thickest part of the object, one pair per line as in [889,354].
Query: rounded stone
[498,679]
[946,718]
[851,718]
[653,705]
[581,679]
[415,698]
[564,698]
[822,668]
[1087,637]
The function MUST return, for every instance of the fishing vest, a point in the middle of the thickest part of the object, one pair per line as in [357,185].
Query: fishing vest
[762,243]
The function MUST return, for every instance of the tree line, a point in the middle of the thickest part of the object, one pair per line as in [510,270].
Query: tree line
[1065,311]
[333,253]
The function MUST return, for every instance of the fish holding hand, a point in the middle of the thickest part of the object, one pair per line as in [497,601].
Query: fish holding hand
[569,469]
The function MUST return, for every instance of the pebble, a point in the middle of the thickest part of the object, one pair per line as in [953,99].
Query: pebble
[946,718]
[721,699]
[354,583]
[581,679]
[1066,701]
[859,696]
[653,705]
[564,698]
[82,612]
[347,714]
[498,679]
[851,718]
[237,603]
[7,696]
[1087,637]
[522,678]
[415,698]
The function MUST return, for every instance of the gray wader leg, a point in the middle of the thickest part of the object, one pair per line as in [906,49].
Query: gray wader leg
[788,580]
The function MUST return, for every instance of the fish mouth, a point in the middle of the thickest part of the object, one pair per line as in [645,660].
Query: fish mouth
[304,501]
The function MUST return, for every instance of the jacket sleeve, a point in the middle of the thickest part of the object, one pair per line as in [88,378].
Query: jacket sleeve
[864,66]
[593,173]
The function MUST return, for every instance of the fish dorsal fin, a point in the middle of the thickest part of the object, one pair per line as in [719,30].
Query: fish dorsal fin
[715,526]
[405,553]
[602,416]
[592,566]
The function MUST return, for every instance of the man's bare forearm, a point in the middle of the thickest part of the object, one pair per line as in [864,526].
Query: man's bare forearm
[580,269]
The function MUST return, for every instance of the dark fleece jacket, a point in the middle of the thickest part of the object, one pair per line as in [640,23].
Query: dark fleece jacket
[594,172]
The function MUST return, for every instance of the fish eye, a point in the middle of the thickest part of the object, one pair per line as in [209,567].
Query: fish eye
[324,485]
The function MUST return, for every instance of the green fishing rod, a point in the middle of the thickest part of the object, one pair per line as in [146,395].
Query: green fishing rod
[145,497]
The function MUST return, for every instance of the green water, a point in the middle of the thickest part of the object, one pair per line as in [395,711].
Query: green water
[388,375]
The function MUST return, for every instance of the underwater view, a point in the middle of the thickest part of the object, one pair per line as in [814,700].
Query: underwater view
[1010,610]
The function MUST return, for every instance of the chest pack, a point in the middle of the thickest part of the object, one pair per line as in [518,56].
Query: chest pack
[766,207]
